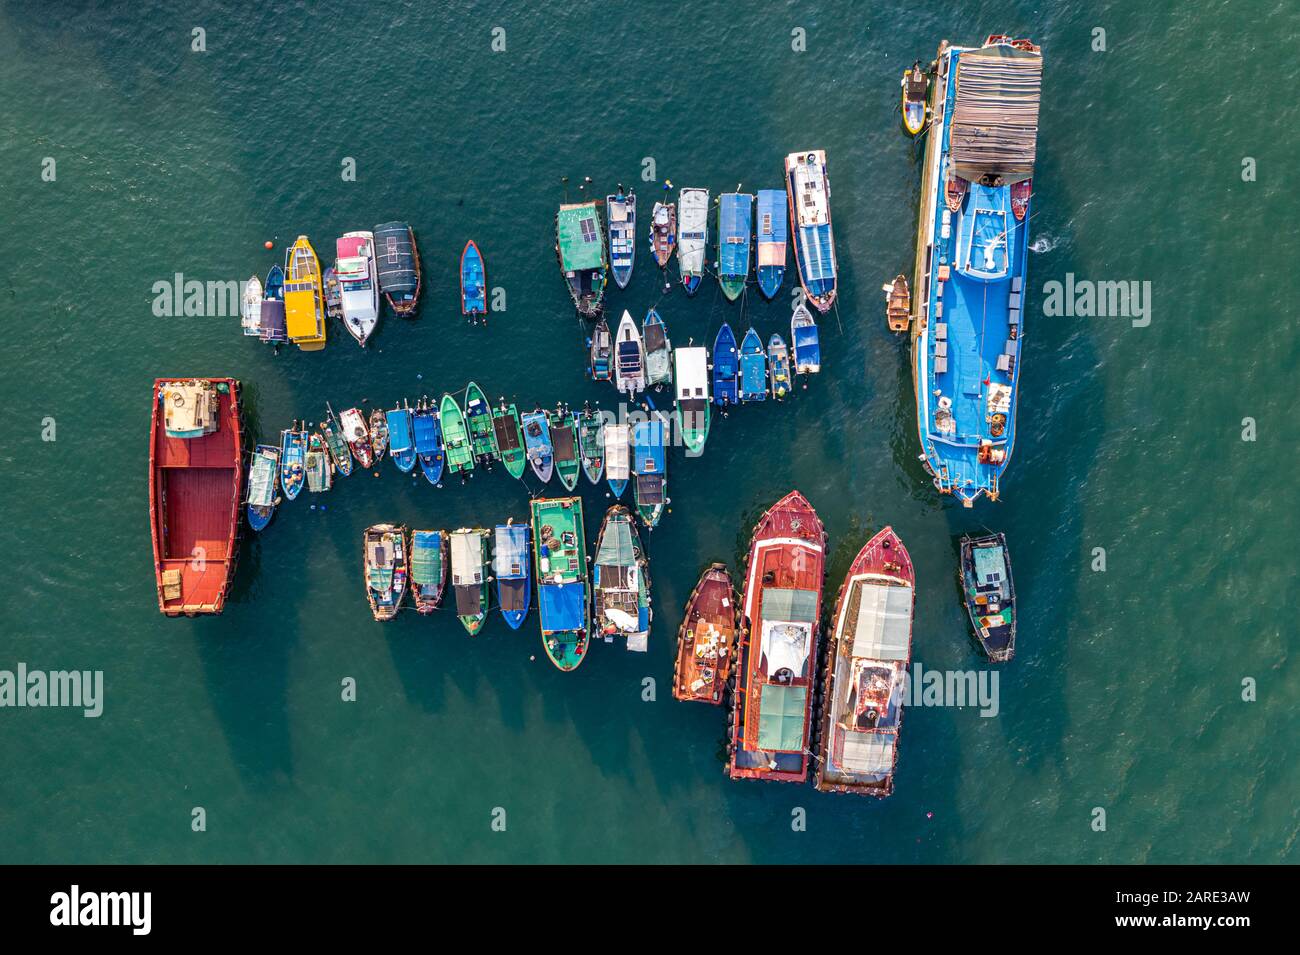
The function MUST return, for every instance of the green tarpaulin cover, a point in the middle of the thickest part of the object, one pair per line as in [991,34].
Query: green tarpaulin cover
[780,724]
[581,244]
[796,606]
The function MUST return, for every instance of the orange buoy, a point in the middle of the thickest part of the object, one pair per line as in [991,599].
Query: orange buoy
[269,244]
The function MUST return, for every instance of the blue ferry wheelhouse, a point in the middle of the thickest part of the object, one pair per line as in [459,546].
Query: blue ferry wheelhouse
[972,244]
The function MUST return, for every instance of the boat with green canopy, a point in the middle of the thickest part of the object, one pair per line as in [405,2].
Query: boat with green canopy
[428,569]
[510,438]
[564,441]
[580,247]
[560,560]
[620,582]
[469,576]
[482,434]
[591,443]
[455,437]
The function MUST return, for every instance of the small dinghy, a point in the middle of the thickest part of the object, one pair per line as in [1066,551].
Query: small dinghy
[378,434]
[621,210]
[469,577]
[735,225]
[898,303]
[357,435]
[386,568]
[250,313]
[401,438]
[620,582]
[320,470]
[473,282]
[618,457]
[663,232]
[263,485]
[510,438]
[564,441]
[658,350]
[338,448]
[804,341]
[692,377]
[428,441]
[915,88]
[650,466]
[293,460]
[455,437]
[694,238]
[706,641]
[753,368]
[272,325]
[478,419]
[629,362]
[333,295]
[591,443]
[990,594]
[1020,193]
[773,234]
[429,560]
[954,190]
[726,366]
[510,562]
[602,352]
[778,357]
[537,444]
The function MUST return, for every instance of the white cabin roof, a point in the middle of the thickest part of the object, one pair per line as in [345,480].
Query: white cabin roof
[691,372]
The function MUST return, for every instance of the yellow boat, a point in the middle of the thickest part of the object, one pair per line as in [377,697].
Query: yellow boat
[915,89]
[304,297]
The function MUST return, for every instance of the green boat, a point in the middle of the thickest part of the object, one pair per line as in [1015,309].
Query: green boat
[469,576]
[510,438]
[580,247]
[691,375]
[560,562]
[591,443]
[564,440]
[455,437]
[478,413]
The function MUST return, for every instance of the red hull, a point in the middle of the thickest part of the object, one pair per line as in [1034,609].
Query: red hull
[196,488]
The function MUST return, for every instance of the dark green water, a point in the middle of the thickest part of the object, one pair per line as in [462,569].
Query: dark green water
[1126,690]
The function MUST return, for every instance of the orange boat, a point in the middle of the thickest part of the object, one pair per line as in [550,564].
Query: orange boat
[778,644]
[706,642]
[195,491]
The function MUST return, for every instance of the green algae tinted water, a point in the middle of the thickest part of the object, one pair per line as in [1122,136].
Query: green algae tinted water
[1126,692]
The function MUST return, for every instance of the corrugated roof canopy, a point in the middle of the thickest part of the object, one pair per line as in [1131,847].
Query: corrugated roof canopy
[995,119]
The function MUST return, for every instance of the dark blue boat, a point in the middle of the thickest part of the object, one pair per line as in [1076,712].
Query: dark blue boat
[263,484]
[293,460]
[510,561]
[773,233]
[753,368]
[473,281]
[725,367]
[428,442]
[272,324]
[401,440]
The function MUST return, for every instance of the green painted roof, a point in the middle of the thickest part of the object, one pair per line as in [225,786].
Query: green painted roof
[582,246]
[780,724]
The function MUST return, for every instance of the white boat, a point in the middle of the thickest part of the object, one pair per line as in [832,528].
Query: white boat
[618,457]
[621,212]
[692,236]
[629,357]
[251,315]
[692,378]
[808,188]
[358,283]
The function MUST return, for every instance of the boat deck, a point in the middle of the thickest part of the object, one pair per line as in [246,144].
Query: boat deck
[706,649]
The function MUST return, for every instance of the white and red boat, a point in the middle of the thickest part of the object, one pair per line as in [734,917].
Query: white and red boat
[355,272]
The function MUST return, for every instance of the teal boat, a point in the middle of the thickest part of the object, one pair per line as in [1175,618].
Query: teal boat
[560,559]
[293,460]
[692,377]
[735,223]
[564,440]
[470,562]
[510,438]
[482,434]
[455,436]
[753,368]
[580,247]
[591,443]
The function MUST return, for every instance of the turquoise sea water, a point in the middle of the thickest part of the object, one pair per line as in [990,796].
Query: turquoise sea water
[1126,690]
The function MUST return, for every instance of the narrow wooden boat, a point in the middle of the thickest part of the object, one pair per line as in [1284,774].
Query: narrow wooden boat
[753,368]
[694,238]
[805,342]
[560,559]
[1020,194]
[250,312]
[954,190]
[378,434]
[401,438]
[706,641]
[773,234]
[513,574]
[691,373]
[537,444]
[916,86]
[629,357]
[621,210]
[726,367]
[473,281]
[864,680]
[620,582]
[778,358]
[385,562]
[618,458]
[455,437]
[428,441]
[271,325]
[602,352]
[898,304]
[196,488]
[332,432]
[263,485]
[650,465]
[478,419]
[470,563]
[658,349]
[735,226]
[808,189]
[333,295]
[319,468]
[304,297]
[591,443]
[663,232]
[357,435]
[990,594]
[398,262]
[357,272]
[780,610]
[564,441]
[293,460]
[430,557]
[580,248]
[510,438]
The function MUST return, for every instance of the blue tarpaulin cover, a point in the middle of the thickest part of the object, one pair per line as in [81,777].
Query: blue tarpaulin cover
[735,216]
[562,606]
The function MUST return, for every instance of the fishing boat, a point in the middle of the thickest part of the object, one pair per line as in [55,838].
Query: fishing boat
[514,577]
[333,294]
[271,325]
[478,418]
[663,232]
[473,281]
[293,460]
[809,190]
[1020,194]
[864,681]
[428,441]
[602,352]
[398,262]
[629,362]
[735,224]
[385,564]
[620,582]
[778,358]
[658,350]
[726,367]
[580,247]
[621,210]
[250,312]
[990,594]
[320,472]
[650,466]
[196,489]
[915,88]
[706,641]
[898,304]
[263,485]
[332,431]
[470,562]
[753,368]
[969,281]
[401,438]
[618,457]
[560,559]
[510,438]
[954,190]
[773,233]
[455,437]
[564,441]
[304,298]
[694,237]
[778,644]
[357,435]
[805,342]
[430,556]
[537,444]
[358,277]
[692,376]
[378,434]
[591,443]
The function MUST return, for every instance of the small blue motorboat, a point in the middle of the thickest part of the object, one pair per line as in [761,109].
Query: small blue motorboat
[753,368]
[263,483]
[428,441]
[537,442]
[650,467]
[510,563]
[773,234]
[401,439]
[473,281]
[804,341]
[725,366]
[293,460]
[272,324]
